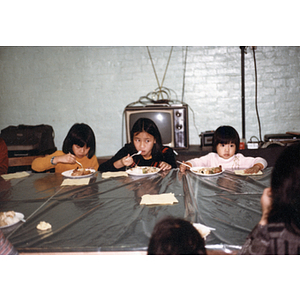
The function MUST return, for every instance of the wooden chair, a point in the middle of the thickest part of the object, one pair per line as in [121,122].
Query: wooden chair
[20,163]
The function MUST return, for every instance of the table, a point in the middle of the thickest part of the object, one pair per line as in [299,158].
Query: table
[106,217]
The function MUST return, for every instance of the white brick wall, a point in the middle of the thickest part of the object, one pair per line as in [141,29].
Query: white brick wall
[63,85]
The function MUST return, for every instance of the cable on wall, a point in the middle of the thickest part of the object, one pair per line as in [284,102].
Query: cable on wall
[162,82]
[256,106]
[161,95]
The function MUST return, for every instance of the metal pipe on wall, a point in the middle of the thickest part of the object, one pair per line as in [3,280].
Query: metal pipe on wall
[243,89]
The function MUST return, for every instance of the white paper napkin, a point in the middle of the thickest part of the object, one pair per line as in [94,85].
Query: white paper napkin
[15,175]
[242,172]
[80,181]
[162,199]
[106,175]
[203,230]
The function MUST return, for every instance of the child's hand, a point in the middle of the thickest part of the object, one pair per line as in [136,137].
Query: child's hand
[255,169]
[266,205]
[127,160]
[65,159]
[183,168]
[164,166]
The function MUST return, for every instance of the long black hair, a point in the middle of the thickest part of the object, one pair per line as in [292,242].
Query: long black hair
[225,135]
[80,134]
[147,125]
[285,187]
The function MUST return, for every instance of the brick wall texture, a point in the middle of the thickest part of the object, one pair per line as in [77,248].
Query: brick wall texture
[63,85]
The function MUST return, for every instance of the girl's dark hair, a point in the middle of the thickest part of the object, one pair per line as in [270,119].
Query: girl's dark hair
[285,187]
[147,125]
[226,135]
[80,134]
[175,236]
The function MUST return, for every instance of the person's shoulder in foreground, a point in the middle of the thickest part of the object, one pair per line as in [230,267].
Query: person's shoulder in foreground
[6,248]
[278,231]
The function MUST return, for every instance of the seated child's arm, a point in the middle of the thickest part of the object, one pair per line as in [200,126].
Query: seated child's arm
[266,205]
[41,164]
[255,169]
[164,166]
[125,161]
[183,168]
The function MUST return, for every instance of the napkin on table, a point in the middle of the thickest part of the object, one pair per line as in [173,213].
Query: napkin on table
[106,175]
[162,199]
[242,172]
[202,229]
[80,181]
[15,175]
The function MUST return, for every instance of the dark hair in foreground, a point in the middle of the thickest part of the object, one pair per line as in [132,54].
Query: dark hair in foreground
[175,236]
[285,187]
[226,135]
[80,134]
[147,125]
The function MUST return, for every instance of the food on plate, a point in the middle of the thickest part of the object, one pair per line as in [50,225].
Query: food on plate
[81,172]
[43,226]
[147,170]
[207,171]
[8,218]
[144,170]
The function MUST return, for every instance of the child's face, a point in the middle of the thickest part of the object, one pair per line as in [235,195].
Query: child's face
[80,152]
[144,142]
[226,150]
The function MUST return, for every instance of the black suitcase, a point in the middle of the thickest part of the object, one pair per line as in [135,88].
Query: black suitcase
[29,140]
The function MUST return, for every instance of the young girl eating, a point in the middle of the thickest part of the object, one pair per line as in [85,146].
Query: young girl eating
[226,142]
[79,145]
[146,139]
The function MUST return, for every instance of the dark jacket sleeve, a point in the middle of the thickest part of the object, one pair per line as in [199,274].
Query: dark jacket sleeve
[108,166]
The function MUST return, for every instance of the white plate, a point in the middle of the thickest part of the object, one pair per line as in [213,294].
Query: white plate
[19,216]
[194,170]
[69,174]
[138,171]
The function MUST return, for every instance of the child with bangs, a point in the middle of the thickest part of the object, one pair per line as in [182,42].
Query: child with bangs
[146,145]
[79,145]
[226,142]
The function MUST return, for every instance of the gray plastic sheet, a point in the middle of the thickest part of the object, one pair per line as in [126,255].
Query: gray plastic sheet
[106,215]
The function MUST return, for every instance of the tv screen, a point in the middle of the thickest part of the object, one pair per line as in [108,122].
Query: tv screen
[162,119]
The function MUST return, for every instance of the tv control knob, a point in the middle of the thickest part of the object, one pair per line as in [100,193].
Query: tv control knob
[179,126]
[178,114]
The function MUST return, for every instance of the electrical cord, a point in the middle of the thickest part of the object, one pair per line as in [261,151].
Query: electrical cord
[160,85]
[154,96]
[256,107]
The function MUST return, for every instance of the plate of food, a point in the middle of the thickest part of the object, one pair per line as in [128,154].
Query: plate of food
[78,173]
[207,171]
[10,218]
[143,171]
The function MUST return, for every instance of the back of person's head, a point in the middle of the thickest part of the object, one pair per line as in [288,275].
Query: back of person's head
[285,187]
[175,236]
[80,134]
[225,135]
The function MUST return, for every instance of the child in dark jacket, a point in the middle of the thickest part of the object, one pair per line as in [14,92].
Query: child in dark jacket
[146,139]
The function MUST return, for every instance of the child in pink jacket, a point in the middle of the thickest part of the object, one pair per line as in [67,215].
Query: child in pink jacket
[226,143]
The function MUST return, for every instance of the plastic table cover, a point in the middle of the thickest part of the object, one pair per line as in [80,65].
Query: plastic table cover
[106,214]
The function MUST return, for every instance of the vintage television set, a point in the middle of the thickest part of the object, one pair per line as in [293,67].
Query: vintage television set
[171,120]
